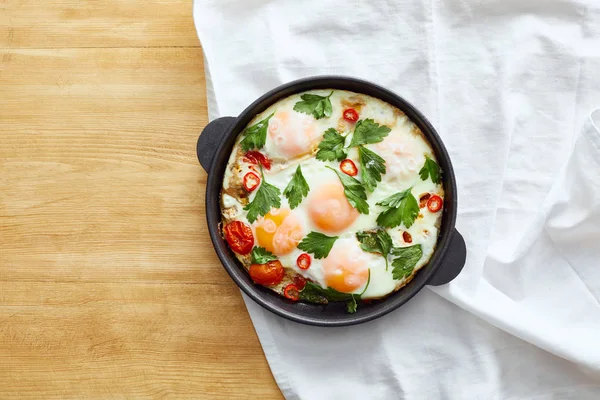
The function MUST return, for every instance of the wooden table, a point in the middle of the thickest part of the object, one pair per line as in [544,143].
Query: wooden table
[109,286]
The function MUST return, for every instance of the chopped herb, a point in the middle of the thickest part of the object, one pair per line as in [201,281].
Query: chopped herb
[318,244]
[368,131]
[331,147]
[372,166]
[408,257]
[376,241]
[315,105]
[267,196]
[260,255]
[431,169]
[314,293]
[401,208]
[255,136]
[296,189]
[354,191]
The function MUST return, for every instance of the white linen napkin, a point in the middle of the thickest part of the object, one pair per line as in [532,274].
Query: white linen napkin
[509,86]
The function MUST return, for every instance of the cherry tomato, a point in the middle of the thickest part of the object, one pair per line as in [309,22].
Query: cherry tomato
[303,261]
[348,167]
[251,181]
[270,273]
[434,204]
[256,157]
[300,282]
[423,200]
[239,236]
[291,292]
[350,115]
[407,237]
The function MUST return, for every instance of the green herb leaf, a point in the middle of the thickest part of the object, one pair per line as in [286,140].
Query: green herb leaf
[401,208]
[354,191]
[368,131]
[331,147]
[351,305]
[260,255]
[408,257]
[255,136]
[431,169]
[372,167]
[315,105]
[316,294]
[296,189]
[318,244]
[267,196]
[376,241]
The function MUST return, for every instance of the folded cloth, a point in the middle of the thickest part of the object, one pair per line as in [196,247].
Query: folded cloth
[509,85]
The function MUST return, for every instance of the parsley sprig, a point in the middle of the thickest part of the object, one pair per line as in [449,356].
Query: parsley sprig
[354,191]
[372,167]
[431,169]
[318,244]
[296,189]
[315,105]
[376,241]
[331,147]
[367,131]
[401,208]
[314,293]
[260,255]
[408,257]
[267,196]
[255,136]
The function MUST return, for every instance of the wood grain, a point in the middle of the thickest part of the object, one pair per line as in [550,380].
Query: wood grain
[109,285]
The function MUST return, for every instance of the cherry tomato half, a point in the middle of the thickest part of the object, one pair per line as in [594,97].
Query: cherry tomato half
[291,292]
[303,261]
[239,237]
[300,282]
[251,181]
[434,204]
[350,115]
[270,273]
[423,200]
[407,237]
[256,157]
[348,167]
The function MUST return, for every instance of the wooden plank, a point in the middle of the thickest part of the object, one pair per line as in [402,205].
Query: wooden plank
[109,285]
[94,23]
[128,341]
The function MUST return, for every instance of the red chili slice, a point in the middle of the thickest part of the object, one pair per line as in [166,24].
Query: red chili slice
[303,261]
[350,115]
[407,237]
[300,282]
[291,292]
[256,157]
[251,181]
[239,237]
[434,204]
[348,167]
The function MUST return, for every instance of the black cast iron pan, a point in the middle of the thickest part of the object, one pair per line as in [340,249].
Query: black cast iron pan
[214,148]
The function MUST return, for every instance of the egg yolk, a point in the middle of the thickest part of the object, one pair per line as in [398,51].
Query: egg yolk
[329,209]
[279,231]
[293,134]
[345,269]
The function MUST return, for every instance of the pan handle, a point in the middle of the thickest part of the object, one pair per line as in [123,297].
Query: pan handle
[453,263]
[210,138]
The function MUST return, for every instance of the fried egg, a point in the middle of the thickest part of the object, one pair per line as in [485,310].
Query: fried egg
[293,136]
